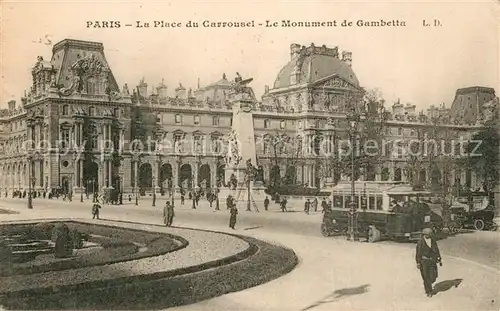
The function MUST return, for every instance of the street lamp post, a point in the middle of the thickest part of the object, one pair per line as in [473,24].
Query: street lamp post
[30,199]
[135,183]
[81,190]
[154,190]
[120,178]
[353,119]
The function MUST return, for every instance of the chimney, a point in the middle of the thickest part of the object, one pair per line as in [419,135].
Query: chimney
[143,88]
[347,58]
[180,92]
[162,90]
[294,50]
[12,105]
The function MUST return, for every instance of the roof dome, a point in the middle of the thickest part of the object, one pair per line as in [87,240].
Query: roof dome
[314,63]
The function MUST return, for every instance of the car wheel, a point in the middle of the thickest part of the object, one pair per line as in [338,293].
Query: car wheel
[479,224]
[324,230]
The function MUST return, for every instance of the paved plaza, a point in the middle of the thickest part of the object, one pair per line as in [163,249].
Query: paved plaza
[333,274]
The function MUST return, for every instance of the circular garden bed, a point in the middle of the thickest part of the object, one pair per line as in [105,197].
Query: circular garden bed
[174,279]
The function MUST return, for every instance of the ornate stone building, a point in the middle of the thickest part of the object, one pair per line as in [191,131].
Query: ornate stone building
[75,97]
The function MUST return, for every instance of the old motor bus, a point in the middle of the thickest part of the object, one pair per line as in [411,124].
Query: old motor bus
[392,210]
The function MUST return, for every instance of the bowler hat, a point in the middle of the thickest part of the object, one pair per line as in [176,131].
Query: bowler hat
[427,231]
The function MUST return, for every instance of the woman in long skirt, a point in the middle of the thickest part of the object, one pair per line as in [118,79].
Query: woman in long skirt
[232,218]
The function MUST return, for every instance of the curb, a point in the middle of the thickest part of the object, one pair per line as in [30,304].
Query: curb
[32,298]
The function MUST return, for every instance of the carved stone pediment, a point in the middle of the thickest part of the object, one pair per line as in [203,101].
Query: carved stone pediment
[89,65]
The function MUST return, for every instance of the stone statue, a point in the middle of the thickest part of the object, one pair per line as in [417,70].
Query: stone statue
[489,110]
[125,89]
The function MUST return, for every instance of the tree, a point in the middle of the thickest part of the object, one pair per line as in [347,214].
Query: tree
[483,157]
[368,137]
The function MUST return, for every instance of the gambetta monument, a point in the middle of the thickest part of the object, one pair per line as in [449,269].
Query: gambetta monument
[241,159]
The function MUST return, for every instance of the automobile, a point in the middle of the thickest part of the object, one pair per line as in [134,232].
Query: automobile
[479,217]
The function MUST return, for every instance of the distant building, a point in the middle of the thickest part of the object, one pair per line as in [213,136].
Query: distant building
[75,97]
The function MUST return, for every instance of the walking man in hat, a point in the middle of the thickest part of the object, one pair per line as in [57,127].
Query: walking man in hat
[427,257]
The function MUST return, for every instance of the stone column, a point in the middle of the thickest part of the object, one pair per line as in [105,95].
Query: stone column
[213,175]
[195,173]
[313,175]
[81,174]
[391,172]
[75,173]
[110,174]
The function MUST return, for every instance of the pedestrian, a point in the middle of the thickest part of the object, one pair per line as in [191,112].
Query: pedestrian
[307,206]
[129,198]
[323,206]
[232,218]
[194,201]
[217,208]
[315,204]
[95,210]
[283,205]
[266,203]
[229,201]
[427,257]
[168,214]
[182,199]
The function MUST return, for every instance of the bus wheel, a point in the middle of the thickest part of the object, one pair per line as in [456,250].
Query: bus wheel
[324,230]
[478,224]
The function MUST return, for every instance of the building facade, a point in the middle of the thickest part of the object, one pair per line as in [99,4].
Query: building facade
[76,106]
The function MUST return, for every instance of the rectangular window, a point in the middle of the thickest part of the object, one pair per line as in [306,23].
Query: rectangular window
[265,148]
[197,144]
[282,124]
[196,119]
[64,138]
[93,144]
[178,119]
[338,201]
[215,121]
[216,145]
[379,202]
[266,124]
[371,202]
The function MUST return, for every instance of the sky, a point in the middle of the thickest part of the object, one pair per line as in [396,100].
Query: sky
[419,65]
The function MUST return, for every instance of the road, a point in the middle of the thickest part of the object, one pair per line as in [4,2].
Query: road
[333,274]
[480,247]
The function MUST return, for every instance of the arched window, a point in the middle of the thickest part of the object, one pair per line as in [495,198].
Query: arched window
[91,111]
[266,124]
[282,124]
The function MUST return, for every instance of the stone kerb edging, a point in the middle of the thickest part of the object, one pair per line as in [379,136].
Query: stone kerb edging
[267,263]
[194,254]
[258,263]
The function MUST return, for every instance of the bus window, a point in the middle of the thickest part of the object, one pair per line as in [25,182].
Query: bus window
[337,201]
[371,202]
[347,200]
[379,202]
